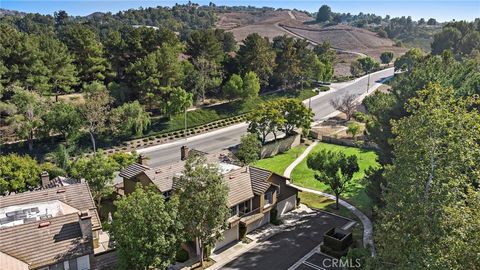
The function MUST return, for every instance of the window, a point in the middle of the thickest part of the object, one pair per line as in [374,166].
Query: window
[167,194]
[234,211]
[268,198]
[245,207]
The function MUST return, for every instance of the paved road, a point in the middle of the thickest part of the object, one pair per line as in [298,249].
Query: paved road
[286,248]
[227,137]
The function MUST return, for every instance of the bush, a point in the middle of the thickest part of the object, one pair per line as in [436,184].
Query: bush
[242,232]
[182,255]
[360,117]
[323,88]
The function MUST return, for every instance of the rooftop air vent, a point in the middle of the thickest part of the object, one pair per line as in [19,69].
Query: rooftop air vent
[61,190]
[44,224]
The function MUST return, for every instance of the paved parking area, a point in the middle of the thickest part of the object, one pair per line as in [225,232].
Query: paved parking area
[317,261]
[285,249]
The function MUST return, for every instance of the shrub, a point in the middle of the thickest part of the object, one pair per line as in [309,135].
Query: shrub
[360,117]
[182,255]
[243,232]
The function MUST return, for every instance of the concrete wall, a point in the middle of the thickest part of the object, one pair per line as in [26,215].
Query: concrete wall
[348,142]
[259,223]
[229,236]
[286,205]
[279,146]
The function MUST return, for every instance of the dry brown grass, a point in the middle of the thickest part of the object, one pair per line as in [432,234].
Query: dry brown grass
[270,24]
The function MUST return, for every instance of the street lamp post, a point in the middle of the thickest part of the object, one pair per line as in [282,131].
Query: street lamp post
[185,116]
[368,82]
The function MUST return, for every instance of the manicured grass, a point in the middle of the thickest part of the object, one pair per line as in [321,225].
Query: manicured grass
[280,162]
[303,176]
[322,203]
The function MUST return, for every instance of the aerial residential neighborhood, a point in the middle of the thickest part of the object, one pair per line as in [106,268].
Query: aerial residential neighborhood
[238,135]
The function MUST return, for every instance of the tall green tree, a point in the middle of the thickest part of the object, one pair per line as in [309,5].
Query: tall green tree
[324,14]
[22,60]
[88,52]
[158,232]
[288,69]
[203,209]
[62,73]
[63,118]
[386,57]
[433,180]
[178,102]
[234,87]
[335,169]
[30,108]
[267,119]
[98,171]
[250,148]
[204,44]
[18,173]
[208,77]
[130,119]
[251,85]
[151,76]
[95,110]
[406,61]
[368,64]
[296,115]
[257,55]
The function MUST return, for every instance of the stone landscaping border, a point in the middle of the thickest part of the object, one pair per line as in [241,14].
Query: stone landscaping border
[166,137]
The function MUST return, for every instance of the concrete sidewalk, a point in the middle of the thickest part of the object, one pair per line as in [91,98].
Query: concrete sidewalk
[263,233]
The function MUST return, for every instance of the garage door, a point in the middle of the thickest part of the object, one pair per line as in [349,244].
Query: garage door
[229,236]
[259,223]
[286,205]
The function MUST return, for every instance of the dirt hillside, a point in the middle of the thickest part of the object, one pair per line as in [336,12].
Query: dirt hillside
[351,42]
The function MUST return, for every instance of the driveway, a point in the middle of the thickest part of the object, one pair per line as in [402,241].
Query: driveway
[286,248]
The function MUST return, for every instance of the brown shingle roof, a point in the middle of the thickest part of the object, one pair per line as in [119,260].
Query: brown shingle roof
[133,170]
[77,196]
[61,240]
[259,179]
[239,186]
[162,176]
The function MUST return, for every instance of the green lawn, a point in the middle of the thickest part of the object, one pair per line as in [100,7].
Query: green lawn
[280,162]
[303,176]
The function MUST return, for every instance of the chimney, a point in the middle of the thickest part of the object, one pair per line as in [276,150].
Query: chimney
[142,159]
[85,224]
[184,152]
[45,178]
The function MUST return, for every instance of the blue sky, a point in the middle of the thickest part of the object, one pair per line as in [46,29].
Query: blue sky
[441,10]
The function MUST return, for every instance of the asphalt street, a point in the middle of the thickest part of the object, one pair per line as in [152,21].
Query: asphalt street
[227,137]
[283,250]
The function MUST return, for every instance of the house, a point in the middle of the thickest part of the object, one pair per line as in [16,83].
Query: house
[54,228]
[253,192]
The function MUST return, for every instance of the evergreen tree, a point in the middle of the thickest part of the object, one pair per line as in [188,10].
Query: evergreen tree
[257,55]
[88,51]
